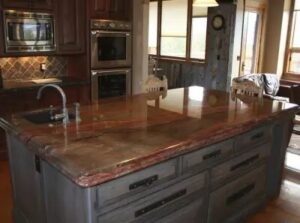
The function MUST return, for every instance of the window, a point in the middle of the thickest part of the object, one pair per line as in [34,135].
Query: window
[177,29]
[293,63]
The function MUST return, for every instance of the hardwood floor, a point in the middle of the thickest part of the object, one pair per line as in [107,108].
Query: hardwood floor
[284,209]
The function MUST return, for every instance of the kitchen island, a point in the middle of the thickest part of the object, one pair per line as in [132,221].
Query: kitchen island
[194,155]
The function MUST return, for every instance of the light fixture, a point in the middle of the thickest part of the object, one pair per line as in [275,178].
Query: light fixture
[205,3]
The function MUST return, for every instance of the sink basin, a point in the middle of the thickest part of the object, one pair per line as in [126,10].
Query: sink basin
[43,117]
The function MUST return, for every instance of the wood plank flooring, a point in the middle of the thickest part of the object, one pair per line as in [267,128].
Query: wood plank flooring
[284,209]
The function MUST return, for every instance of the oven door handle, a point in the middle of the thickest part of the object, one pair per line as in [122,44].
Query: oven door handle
[94,73]
[97,33]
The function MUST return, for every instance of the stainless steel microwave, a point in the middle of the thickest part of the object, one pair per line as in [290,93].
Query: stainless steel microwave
[28,31]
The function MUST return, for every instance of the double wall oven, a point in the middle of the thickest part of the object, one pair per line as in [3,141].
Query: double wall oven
[110,58]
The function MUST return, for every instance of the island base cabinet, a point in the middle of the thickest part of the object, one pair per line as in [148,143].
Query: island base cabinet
[193,213]
[160,204]
[231,199]
[27,184]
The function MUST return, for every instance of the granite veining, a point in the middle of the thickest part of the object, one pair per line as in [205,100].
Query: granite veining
[121,135]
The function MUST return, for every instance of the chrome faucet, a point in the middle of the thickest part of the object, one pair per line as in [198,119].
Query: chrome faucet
[65,114]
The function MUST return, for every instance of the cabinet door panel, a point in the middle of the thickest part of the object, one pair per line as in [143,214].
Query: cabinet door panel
[225,202]
[70,26]
[99,9]
[28,4]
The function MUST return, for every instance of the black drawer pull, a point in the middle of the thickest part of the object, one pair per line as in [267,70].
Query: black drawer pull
[257,136]
[160,203]
[245,163]
[146,182]
[211,155]
[241,193]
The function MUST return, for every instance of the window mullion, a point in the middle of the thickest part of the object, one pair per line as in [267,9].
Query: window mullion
[159,24]
[189,28]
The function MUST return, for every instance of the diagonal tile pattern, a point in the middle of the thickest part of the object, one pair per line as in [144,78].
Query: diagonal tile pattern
[29,67]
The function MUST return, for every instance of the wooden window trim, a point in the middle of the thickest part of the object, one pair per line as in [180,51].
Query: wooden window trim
[286,74]
[187,58]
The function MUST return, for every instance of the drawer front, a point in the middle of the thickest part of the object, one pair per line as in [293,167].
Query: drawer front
[240,163]
[225,201]
[253,137]
[207,155]
[157,205]
[135,182]
[193,213]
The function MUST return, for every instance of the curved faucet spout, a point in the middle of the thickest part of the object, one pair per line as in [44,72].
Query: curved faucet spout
[63,96]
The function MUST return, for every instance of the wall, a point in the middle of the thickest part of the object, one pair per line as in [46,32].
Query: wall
[27,68]
[276,34]
[140,45]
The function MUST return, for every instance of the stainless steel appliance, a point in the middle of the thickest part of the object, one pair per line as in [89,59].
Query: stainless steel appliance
[111,83]
[110,44]
[28,31]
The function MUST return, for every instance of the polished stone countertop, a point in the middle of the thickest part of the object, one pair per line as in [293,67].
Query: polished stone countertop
[121,135]
[25,85]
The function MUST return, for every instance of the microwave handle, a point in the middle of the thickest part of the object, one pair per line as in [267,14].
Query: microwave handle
[109,71]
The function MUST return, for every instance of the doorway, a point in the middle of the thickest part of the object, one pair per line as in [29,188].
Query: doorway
[252,30]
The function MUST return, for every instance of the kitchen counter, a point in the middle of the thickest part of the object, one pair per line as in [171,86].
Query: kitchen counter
[122,135]
[25,85]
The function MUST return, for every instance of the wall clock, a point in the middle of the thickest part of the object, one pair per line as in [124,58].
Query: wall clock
[218,22]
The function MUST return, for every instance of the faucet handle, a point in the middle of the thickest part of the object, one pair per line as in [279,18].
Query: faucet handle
[51,112]
[77,112]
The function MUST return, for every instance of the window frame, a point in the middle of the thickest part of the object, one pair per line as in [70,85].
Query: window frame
[187,58]
[289,50]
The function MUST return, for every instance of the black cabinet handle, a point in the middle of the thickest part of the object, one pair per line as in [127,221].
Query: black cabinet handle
[145,182]
[160,203]
[211,155]
[257,136]
[37,163]
[245,163]
[241,193]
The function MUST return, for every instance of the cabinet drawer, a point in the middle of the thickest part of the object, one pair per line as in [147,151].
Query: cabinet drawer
[253,137]
[135,182]
[240,163]
[159,204]
[207,155]
[193,213]
[227,200]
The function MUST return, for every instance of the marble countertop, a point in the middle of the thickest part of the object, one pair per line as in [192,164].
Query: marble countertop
[121,135]
[24,85]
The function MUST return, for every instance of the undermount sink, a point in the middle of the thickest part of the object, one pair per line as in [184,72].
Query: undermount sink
[43,117]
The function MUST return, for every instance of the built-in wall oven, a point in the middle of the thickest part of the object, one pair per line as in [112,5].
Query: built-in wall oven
[110,58]
[111,83]
[110,44]
[28,31]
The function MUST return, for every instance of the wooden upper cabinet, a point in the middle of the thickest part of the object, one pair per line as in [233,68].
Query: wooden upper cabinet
[70,26]
[28,4]
[110,9]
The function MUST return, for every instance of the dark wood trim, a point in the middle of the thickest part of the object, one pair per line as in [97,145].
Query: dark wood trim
[158,37]
[178,60]
[286,64]
[189,28]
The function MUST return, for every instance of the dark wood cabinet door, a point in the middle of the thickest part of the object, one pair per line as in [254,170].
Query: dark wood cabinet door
[70,24]
[99,9]
[111,9]
[28,4]
[120,9]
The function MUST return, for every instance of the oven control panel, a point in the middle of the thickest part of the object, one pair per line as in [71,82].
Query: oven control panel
[101,24]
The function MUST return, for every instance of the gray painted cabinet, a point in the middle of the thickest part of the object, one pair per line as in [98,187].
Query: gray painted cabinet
[207,185]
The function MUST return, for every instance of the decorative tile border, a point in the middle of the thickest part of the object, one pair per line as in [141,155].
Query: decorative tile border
[29,67]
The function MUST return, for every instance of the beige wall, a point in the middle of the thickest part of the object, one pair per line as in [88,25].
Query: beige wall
[140,44]
[276,34]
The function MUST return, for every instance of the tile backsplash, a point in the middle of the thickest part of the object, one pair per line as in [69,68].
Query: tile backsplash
[27,68]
